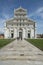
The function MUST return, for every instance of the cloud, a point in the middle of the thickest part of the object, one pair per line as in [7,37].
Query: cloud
[38,13]
[1,30]
[2,25]
[2,20]
[5,16]
[38,16]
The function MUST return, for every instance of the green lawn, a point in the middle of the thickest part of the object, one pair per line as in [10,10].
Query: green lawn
[4,42]
[37,42]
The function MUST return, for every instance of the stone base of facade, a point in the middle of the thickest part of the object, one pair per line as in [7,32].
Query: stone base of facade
[19,33]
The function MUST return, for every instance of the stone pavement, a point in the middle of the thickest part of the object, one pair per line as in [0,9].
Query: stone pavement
[20,52]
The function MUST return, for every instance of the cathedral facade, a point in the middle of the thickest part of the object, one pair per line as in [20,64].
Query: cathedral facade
[20,25]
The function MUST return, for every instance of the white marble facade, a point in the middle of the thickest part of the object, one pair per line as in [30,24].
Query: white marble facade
[20,25]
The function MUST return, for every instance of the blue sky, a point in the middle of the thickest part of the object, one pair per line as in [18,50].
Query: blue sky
[34,8]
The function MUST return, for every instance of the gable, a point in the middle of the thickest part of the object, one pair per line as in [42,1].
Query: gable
[20,9]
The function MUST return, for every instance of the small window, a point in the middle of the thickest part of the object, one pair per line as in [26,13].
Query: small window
[28,24]
[11,30]
[11,24]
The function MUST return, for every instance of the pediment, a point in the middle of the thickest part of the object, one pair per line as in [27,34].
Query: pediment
[20,9]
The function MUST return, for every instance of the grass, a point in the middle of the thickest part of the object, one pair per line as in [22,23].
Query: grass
[4,42]
[37,42]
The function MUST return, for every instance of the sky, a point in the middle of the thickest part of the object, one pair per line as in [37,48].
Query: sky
[34,11]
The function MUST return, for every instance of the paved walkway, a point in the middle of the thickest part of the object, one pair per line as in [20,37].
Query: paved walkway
[20,53]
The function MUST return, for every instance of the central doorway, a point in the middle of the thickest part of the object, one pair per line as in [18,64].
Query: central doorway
[20,34]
